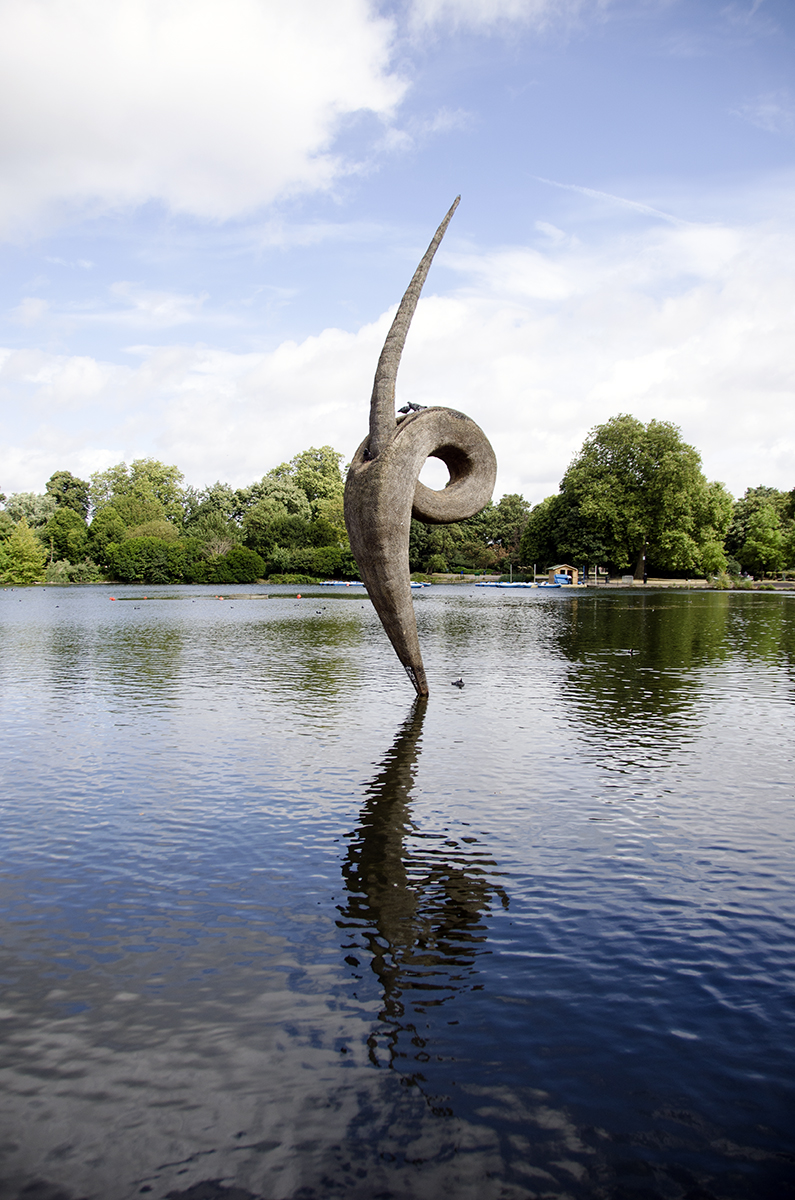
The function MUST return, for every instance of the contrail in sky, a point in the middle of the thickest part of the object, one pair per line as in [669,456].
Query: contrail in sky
[644,208]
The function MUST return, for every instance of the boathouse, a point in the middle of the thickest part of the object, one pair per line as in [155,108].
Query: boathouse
[556,574]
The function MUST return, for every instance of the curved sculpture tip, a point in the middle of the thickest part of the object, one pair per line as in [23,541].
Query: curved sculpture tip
[382,403]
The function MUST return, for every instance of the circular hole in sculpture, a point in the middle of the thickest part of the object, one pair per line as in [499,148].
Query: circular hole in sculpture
[435,474]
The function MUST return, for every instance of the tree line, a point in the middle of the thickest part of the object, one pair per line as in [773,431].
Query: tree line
[634,498]
[140,524]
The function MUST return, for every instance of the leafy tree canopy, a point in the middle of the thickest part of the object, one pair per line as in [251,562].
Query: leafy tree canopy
[216,533]
[275,496]
[146,480]
[159,527]
[315,471]
[35,509]
[634,493]
[106,531]
[23,556]
[70,492]
[218,498]
[135,509]
[332,509]
[542,533]
[241,565]
[7,526]
[762,532]
[65,535]
[503,524]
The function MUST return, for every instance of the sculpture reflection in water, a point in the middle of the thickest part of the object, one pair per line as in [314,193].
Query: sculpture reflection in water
[416,907]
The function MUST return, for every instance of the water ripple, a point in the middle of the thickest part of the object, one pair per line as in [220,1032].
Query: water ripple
[268,925]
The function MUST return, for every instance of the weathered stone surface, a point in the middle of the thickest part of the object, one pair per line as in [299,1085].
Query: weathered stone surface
[383,492]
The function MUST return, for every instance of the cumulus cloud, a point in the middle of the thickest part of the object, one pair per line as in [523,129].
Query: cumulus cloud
[537,343]
[212,107]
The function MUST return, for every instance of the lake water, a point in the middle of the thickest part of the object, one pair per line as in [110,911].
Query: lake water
[272,930]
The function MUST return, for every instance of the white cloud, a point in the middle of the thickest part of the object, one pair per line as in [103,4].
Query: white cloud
[684,323]
[772,111]
[482,14]
[127,306]
[144,308]
[555,235]
[84,264]
[30,310]
[213,107]
[418,131]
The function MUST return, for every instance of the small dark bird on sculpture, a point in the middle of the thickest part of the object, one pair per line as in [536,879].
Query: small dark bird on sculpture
[407,408]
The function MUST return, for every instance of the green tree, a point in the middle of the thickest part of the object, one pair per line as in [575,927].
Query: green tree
[215,531]
[317,472]
[147,481]
[277,496]
[282,516]
[437,565]
[240,565]
[144,501]
[107,530]
[543,533]
[7,526]
[762,531]
[23,556]
[31,507]
[147,560]
[65,535]
[434,547]
[105,485]
[419,545]
[634,494]
[69,492]
[503,524]
[159,527]
[217,499]
[764,547]
[713,518]
[64,572]
[296,507]
[136,509]
[320,561]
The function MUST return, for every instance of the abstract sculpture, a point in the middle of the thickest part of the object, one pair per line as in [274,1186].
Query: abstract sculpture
[383,491]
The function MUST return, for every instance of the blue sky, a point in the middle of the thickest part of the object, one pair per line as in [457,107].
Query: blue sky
[209,209]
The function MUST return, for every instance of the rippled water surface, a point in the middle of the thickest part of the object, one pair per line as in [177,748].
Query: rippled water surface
[270,930]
